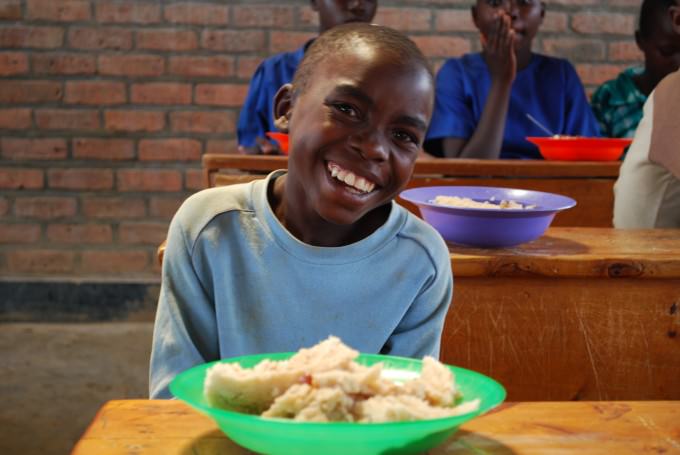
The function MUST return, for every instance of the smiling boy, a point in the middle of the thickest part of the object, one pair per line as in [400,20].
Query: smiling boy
[321,249]
[483,99]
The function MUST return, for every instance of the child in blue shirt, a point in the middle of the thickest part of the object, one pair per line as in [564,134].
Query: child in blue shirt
[482,100]
[257,113]
[322,248]
[618,103]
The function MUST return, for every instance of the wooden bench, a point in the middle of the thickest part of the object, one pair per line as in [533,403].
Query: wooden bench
[589,183]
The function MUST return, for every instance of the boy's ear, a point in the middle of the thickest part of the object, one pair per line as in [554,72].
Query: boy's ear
[313,4]
[283,107]
[674,11]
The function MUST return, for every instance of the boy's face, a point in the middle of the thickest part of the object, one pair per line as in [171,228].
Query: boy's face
[336,12]
[526,15]
[355,132]
[661,48]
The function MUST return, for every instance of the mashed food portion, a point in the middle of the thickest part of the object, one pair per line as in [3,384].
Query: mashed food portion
[325,384]
[466,202]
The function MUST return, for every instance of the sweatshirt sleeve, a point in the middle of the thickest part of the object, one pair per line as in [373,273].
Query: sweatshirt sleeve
[185,332]
[420,330]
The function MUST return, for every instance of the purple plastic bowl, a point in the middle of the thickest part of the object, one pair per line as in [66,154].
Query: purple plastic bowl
[488,227]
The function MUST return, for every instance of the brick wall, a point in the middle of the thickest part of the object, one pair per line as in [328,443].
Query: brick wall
[107,106]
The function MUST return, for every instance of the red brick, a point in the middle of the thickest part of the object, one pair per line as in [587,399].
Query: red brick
[113,207]
[164,207]
[103,149]
[597,74]
[40,261]
[442,46]
[15,119]
[251,16]
[285,41]
[45,207]
[247,66]
[193,179]
[131,11]
[142,233]
[131,65]
[161,93]
[13,178]
[234,40]
[4,206]
[119,261]
[134,120]
[575,49]
[34,149]
[10,10]
[405,19]
[625,51]
[100,38]
[68,64]
[30,91]
[199,13]
[221,94]
[13,63]
[61,10]
[202,121]
[169,150]
[95,92]
[213,66]
[19,233]
[22,36]
[604,23]
[149,180]
[80,233]
[167,40]
[555,22]
[221,146]
[67,119]
[80,179]
[454,20]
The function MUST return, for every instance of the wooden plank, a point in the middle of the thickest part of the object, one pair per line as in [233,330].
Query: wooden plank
[568,338]
[578,252]
[170,427]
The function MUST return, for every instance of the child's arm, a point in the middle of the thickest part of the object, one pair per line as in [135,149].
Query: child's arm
[185,331]
[500,57]
[253,119]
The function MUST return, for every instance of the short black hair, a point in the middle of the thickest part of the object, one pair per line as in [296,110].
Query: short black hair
[344,37]
[649,12]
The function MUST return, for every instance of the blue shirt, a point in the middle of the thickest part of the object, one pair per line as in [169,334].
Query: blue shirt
[236,282]
[548,88]
[257,113]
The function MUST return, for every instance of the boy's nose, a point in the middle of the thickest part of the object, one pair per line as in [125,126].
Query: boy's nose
[370,145]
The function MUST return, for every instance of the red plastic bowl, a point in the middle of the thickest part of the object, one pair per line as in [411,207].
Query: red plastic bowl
[281,138]
[575,148]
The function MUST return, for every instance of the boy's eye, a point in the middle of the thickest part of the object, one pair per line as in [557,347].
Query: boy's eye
[405,136]
[347,109]
[668,51]
[494,3]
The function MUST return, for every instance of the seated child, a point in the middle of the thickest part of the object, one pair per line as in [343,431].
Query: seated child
[257,112]
[482,100]
[618,103]
[284,262]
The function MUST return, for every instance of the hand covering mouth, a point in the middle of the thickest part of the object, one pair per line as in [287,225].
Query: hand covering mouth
[350,179]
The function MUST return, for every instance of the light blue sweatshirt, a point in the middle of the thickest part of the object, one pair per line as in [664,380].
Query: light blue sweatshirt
[236,282]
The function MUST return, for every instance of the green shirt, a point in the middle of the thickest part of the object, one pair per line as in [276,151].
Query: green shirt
[618,103]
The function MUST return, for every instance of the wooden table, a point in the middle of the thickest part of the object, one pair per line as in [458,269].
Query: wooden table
[169,427]
[590,183]
[579,314]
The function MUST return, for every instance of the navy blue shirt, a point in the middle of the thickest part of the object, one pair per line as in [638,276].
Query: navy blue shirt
[548,88]
[257,113]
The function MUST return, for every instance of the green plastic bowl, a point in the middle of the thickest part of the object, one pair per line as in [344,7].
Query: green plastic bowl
[281,436]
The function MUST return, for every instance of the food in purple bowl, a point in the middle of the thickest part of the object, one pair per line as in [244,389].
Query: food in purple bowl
[483,226]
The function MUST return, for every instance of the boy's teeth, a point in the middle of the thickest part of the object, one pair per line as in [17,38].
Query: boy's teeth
[350,178]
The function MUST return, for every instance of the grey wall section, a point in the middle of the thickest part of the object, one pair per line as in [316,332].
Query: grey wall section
[48,301]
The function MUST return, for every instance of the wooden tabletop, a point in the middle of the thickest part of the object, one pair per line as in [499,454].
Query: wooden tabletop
[578,252]
[170,427]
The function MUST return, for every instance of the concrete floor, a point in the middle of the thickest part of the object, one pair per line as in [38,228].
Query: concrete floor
[54,378]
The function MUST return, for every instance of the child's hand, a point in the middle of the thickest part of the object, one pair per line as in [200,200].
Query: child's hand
[499,49]
[263,147]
